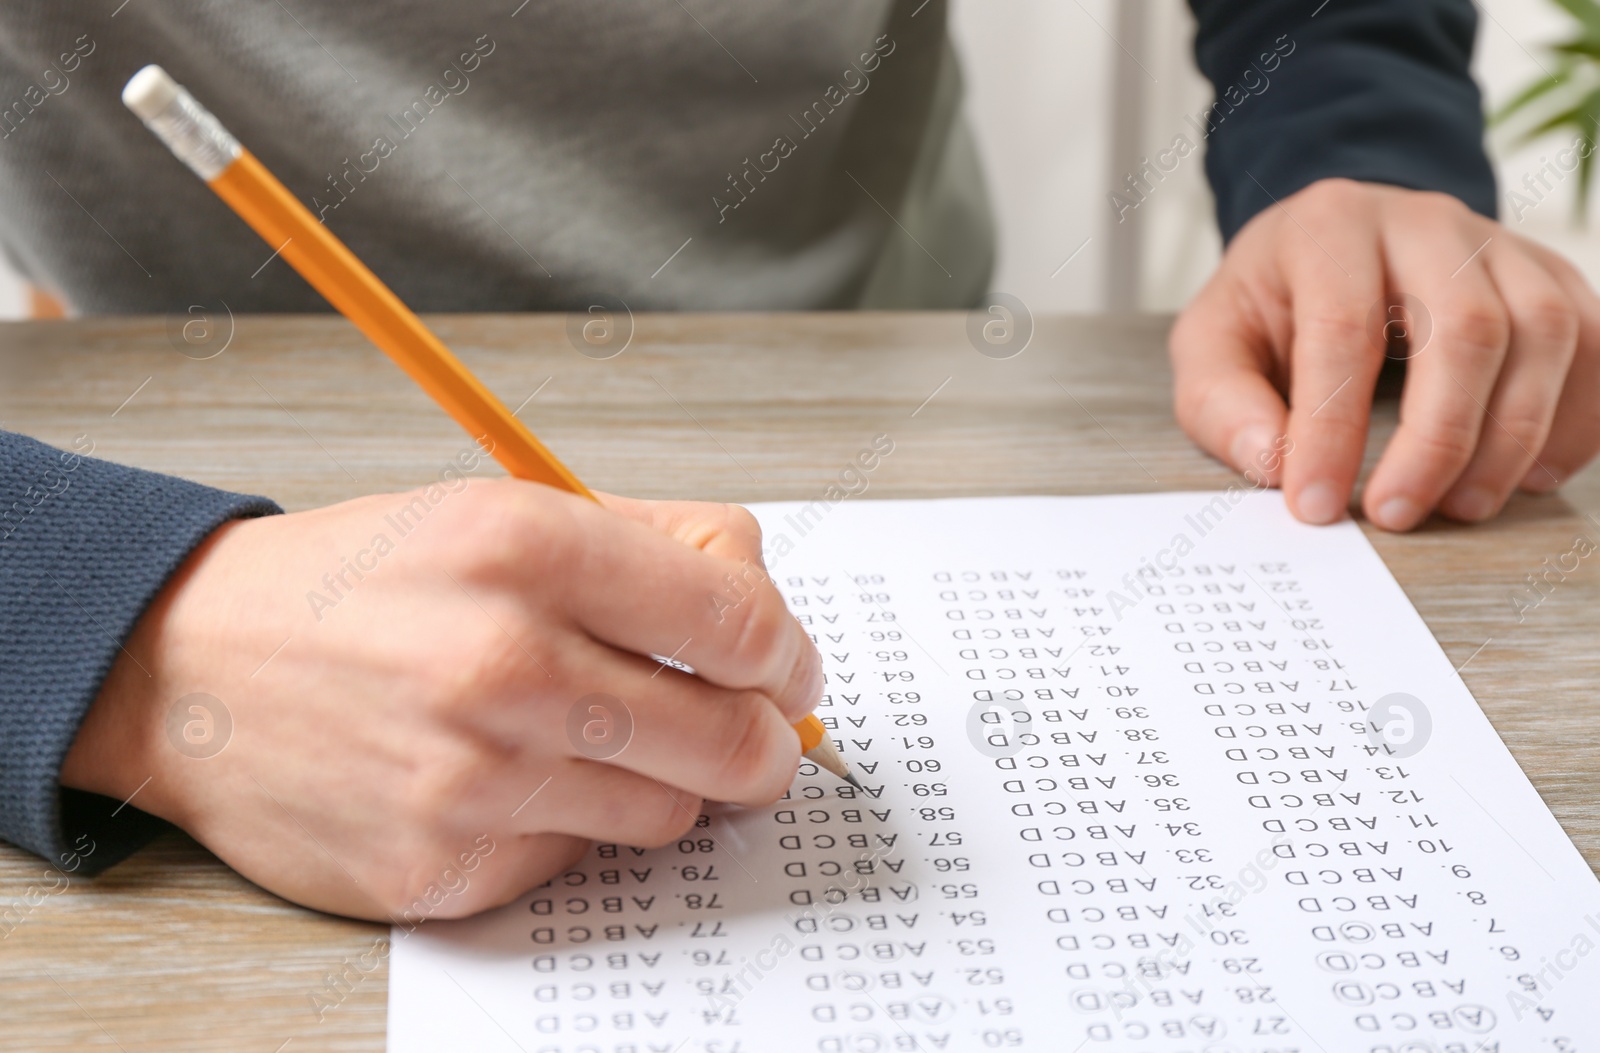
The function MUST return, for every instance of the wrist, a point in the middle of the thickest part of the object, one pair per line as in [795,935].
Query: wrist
[123,746]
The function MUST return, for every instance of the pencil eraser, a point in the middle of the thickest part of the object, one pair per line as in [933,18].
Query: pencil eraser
[150,91]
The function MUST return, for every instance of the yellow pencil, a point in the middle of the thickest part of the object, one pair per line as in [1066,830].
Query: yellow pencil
[200,141]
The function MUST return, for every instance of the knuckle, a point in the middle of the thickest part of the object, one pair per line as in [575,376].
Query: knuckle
[1325,415]
[1438,202]
[1567,273]
[483,660]
[764,624]
[468,514]
[1477,331]
[744,556]
[1526,426]
[499,524]
[402,891]
[1346,423]
[547,542]
[1575,450]
[675,816]
[1549,320]
[422,883]
[1569,463]
[1191,395]
[1186,403]
[1181,337]
[743,747]
[464,896]
[1334,330]
[1448,440]
[445,777]
[1336,195]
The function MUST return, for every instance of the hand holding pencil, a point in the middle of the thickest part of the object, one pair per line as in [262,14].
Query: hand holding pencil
[307,245]
[361,748]
[381,740]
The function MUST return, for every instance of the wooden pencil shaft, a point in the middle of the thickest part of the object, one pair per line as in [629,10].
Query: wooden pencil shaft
[334,271]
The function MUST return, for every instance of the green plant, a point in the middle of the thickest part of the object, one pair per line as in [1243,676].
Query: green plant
[1567,96]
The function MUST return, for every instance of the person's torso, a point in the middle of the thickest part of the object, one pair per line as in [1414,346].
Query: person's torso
[501,157]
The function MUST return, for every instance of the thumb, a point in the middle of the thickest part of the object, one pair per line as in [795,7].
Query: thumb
[1222,394]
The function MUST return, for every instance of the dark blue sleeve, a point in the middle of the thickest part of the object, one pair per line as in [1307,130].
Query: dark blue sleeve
[85,545]
[1375,90]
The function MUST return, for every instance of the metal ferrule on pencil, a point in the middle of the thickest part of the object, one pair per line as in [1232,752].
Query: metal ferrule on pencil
[190,130]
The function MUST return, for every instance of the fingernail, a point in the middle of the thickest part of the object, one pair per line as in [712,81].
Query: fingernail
[1319,503]
[1398,513]
[1472,504]
[1248,452]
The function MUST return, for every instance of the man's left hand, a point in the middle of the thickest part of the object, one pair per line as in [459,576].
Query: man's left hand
[1503,382]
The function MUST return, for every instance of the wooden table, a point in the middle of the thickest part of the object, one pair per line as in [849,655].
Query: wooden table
[171,951]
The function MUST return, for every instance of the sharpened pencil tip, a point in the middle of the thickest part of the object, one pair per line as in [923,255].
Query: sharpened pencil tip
[850,778]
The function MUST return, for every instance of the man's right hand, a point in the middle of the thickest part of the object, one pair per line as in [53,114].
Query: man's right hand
[401,685]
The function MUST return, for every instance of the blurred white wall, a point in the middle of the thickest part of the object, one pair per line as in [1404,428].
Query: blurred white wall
[13,296]
[1066,96]
[1038,75]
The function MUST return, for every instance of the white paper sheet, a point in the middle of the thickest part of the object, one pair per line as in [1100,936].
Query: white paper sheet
[1169,772]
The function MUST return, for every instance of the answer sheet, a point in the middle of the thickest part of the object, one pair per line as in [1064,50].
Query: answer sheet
[1166,772]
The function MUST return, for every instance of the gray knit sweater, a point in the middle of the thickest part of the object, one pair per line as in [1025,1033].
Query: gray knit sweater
[481,156]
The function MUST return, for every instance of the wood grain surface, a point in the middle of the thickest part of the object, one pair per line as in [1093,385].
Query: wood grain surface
[171,951]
